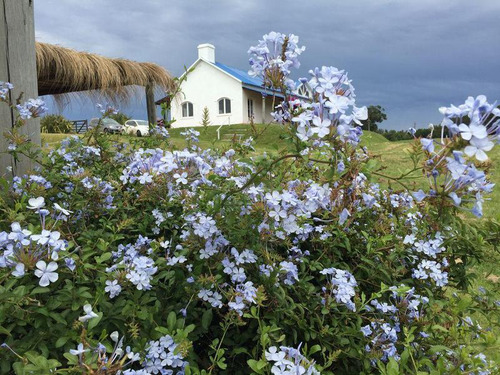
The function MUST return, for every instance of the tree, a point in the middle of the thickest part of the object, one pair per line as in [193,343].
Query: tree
[376,114]
[205,118]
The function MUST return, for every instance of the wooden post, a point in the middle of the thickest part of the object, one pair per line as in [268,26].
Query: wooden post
[17,66]
[263,109]
[150,103]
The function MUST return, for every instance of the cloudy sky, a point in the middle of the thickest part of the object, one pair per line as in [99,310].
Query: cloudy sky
[409,56]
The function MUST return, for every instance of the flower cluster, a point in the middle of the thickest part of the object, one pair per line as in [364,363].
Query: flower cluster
[22,250]
[425,255]
[483,128]
[5,87]
[477,123]
[403,307]
[98,356]
[159,131]
[288,360]
[32,108]
[273,57]
[161,358]
[106,109]
[191,135]
[131,264]
[343,284]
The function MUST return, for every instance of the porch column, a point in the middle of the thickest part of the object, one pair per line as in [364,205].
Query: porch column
[263,109]
[150,103]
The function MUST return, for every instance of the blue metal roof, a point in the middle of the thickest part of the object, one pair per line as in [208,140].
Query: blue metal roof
[240,74]
[248,82]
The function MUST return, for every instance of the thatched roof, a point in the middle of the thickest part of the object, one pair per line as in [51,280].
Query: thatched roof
[63,70]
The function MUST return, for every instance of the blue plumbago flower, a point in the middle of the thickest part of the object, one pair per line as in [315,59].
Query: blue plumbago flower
[113,288]
[383,332]
[342,286]
[5,87]
[70,263]
[89,314]
[340,166]
[32,108]
[191,135]
[366,330]
[481,132]
[139,268]
[213,298]
[161,358]
[291,272]
[159,131]
[427,145]
[19,270]
[419,195]
[343,216]
[431,269]
[288,360]
[21,242]
[79,350]
[238,305]
[46,272]
[478,148]
[36,203]
[107,109]
[276,52]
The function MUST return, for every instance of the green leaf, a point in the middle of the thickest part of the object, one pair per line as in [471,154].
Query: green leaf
[95,321]
[438,348]
[40,290]
[257,366]
[222,364]
[61,341]
[206,319]
[314,349]
[4,331]
[104,257]
[19,368]
[392,367]
[171,319]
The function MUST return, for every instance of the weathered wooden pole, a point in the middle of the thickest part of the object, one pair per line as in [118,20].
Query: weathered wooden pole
[17,66]
[263,108]
[150,103]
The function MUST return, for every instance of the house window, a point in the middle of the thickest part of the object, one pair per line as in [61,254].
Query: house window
[224,106]
[250,108]
[187,109]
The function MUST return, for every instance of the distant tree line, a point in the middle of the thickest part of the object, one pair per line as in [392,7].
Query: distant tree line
[376,115]
[400,135]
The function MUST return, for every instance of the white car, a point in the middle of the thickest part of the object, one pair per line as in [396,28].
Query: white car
[137,127]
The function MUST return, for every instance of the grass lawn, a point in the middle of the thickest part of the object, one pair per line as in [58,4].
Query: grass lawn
[392,156]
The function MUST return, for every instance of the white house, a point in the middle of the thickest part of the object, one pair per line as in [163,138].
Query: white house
[231,95]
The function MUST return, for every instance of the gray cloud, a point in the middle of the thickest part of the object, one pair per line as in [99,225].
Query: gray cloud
[408,56]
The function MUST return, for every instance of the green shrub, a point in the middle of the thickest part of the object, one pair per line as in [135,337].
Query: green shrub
[140,259]
[55,124]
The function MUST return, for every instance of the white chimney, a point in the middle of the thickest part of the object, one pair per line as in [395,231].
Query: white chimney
[206,52]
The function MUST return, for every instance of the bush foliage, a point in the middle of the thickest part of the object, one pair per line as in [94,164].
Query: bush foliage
[55,124]
[139,259]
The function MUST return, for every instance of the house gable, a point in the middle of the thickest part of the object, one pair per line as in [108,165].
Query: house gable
[204,86]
